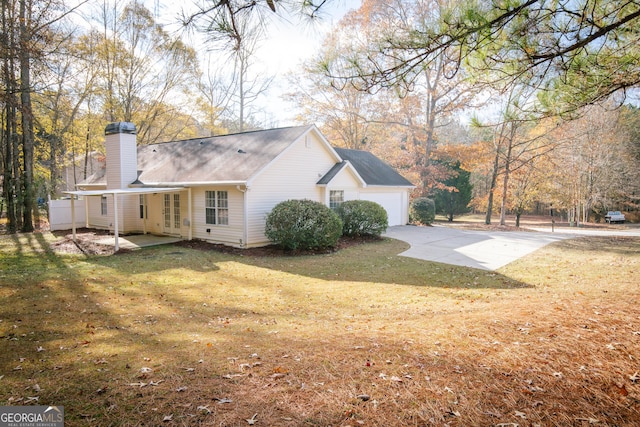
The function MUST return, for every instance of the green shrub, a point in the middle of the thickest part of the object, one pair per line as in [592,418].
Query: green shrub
[423,210]
[362,218]
[303,224]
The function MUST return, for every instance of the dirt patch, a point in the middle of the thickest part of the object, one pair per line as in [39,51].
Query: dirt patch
[86,242]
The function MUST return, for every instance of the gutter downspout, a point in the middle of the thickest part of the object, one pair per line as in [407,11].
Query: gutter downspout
[245,209]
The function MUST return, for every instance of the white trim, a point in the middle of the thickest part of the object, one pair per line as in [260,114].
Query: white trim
[115,193]
[184,184]
[130,191]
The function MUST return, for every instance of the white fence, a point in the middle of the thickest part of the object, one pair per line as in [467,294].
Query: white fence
[60,214]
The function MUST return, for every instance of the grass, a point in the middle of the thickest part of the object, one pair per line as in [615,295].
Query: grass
[178,336]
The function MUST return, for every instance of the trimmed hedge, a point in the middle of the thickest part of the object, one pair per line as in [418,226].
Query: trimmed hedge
[362,218]
[423,210]
[303,224]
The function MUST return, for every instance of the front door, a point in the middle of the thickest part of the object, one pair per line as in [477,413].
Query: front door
[171,213]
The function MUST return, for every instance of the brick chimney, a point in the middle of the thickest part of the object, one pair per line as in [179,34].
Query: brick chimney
[122,155]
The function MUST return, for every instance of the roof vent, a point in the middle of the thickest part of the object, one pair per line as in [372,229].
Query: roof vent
[241,151]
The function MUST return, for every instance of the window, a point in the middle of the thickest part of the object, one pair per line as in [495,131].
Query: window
[167,211]
[142,215]
[103,205]
[176,211]
[336,197]
[217,207]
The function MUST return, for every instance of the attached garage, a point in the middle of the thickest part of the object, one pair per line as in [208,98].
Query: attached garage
[363,176]
[395,203]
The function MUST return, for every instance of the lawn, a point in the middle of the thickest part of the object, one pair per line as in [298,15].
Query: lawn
[181,336]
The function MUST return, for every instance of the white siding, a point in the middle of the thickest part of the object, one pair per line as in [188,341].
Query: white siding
[127,213]
[345,181]
[393,199]
[122,160]
[128,219]
[294,175]
[96,219]
[231,234]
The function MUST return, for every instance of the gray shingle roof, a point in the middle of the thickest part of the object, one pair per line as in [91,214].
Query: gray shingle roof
[332,173]
[234,157]
[238,157]
[371,169]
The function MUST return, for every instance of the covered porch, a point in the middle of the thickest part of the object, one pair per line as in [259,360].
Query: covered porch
[115,194]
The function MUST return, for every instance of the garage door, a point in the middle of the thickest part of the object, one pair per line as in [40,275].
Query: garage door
[391,202]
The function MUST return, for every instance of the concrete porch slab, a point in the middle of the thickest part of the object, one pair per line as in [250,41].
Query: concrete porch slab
[138,241]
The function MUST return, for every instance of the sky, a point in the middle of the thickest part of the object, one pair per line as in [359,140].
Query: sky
[289,42]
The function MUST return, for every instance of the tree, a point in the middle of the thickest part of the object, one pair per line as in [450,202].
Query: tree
[345,115]
[147,74]
[526,187]
[594,169]
[214,98]
[27,26]
[248,86]
[454,199]
[577,52]
[408,116]
[70,77]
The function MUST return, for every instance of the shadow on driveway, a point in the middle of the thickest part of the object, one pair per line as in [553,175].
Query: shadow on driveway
[487,250]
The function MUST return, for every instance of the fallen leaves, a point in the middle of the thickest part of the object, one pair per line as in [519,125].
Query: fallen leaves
[520,415]
[143,384]
[589,420]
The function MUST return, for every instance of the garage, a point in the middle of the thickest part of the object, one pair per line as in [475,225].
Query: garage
[393,203]
[363,176]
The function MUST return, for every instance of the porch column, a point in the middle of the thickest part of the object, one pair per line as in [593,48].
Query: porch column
[73,217]
[86,211]
[144,213]
[190,215]
[115,221]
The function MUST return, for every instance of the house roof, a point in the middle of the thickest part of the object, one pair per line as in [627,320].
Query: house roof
[228,158]
[237,158]
[372,170]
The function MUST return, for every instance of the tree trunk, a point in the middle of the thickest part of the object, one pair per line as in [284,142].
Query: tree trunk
[10,104]
[505,182]
[492,187]
[29,195]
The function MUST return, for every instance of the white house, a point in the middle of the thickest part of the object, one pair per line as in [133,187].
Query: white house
[221,188]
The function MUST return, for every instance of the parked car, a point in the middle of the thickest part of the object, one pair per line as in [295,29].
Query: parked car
[614,216]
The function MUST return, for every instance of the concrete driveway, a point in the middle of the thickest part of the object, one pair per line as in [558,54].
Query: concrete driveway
[487,250]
